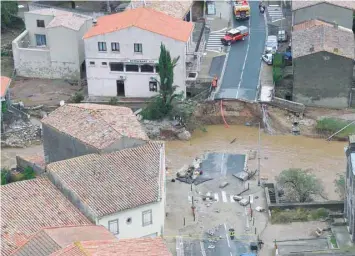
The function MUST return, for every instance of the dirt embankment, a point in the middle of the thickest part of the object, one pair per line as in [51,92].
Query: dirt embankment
[234,113]
[282,120]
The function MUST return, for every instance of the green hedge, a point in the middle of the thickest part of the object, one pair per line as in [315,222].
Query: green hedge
[332,125]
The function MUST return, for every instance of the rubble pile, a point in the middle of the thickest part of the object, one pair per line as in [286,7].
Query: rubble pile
[20,134]
[165,130]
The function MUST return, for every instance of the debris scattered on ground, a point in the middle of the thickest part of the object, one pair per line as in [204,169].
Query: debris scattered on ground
[259,209]
[237,198]
[252,154]
[165,130]
[244,202]
[223,184]
[192,174]
[233,140]
[243,176]
[20,134]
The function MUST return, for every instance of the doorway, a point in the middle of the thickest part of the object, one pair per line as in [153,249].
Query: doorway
[120,88]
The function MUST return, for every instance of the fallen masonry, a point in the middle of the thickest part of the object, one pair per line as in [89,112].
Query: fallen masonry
[20,134]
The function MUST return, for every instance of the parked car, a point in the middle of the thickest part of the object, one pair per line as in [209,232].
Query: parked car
[282,36]
[234,35]
[267,58]
[271,44]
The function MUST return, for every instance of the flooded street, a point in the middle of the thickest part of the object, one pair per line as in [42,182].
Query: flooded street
[326,159]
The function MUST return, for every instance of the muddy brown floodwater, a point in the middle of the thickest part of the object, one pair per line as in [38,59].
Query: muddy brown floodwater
[278,153]
[326,159]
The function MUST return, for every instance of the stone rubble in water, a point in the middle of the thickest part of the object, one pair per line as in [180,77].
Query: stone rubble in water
[165,130]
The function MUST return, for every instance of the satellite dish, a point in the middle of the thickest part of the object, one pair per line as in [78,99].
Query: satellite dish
[61,103]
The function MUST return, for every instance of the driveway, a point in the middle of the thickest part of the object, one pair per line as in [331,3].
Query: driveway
[241,76]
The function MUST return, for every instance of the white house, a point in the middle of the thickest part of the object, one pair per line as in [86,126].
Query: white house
[51,46]
[123,190]
[122,52]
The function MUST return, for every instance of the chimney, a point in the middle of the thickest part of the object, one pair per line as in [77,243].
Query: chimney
[94,22]
[312,48]
[335,24]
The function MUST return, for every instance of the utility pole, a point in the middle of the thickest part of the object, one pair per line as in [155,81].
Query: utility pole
[259,156]
[108,6]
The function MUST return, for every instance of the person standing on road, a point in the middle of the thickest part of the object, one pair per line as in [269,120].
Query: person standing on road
[214,83]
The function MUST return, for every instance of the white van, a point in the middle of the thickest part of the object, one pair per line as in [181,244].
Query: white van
[271,44]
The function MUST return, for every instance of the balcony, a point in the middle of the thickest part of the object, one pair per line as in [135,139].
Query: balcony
[23,42]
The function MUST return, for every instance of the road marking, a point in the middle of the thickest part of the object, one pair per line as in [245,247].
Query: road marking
[245,60]
[224,197]
[203,251]
[230,253]
[189,198]
[216,197]
[229,245]
[218,31]
[251,199]
[232,199]
[214,41]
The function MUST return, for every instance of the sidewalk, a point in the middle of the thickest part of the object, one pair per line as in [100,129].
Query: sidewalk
[221,20]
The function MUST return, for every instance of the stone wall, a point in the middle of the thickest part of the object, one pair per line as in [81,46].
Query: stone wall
[331,88]
[288,105]
[23,163]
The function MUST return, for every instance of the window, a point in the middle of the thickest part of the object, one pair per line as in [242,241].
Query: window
[41,40]
[156,69]
[104,63]
[138,48]
[115,47]
[153,87]
[147,68]
[92,63]
[40,23]
[113,226]
[102,46]
[116,66]
[132,68]
[147,218]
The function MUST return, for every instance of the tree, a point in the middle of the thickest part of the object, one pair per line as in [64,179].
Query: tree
[340,185]
[299,185]
[8,13]
[166,75]
[162,105]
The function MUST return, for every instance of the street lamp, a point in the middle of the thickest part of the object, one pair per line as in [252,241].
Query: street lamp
[259,140]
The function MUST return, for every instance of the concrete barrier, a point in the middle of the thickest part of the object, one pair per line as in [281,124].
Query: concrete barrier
[288,105]
[330,205]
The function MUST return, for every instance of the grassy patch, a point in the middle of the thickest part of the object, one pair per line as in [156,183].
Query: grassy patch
[331,125]
[333,241]
[297,215]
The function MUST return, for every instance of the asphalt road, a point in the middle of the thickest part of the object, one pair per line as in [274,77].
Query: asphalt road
[241,76]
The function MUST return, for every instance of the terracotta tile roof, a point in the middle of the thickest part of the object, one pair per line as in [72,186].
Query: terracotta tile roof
[132,177]
[176,9]
[5,83]
[28,206]
[50,240]
[299,4]
[323,37]
[122,247]
[96,125]
[62,18]
[146,19]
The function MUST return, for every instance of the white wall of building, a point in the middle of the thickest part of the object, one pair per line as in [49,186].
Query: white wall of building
[135,228]
[102,81]
[62,56]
